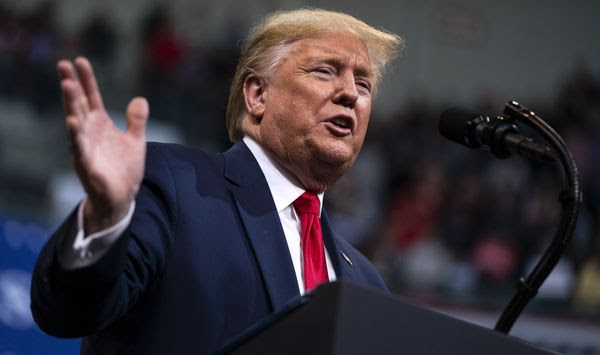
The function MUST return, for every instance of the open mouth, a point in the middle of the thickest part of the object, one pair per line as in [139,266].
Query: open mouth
[343,123]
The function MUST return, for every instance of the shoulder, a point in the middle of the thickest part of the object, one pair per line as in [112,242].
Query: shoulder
[171,158]
[177,152]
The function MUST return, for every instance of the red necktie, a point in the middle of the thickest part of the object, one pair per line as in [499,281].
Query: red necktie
[313,254]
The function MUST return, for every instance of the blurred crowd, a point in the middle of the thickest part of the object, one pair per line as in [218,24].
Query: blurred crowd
[465,226]
[444,224]
[186,84]
[462,224]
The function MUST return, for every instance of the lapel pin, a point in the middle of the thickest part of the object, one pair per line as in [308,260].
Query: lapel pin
[346,258]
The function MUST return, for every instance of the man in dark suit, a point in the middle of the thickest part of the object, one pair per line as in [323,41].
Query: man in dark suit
[177,251]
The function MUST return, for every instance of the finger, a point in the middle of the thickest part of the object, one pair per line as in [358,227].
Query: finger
[89,83]
[137,116]
[73,127]
[74,101]
[65,70]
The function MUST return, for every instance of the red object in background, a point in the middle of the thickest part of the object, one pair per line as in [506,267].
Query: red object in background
[495,257]
[411,220]
[166,52]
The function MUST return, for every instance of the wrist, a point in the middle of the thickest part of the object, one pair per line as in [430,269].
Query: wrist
[97,217]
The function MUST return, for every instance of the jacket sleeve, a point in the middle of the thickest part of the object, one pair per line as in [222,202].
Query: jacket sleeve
[80,302]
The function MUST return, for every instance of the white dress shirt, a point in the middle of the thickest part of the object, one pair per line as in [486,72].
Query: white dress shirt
[284,189]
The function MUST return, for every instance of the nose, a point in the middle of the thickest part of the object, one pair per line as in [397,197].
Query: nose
[346,93]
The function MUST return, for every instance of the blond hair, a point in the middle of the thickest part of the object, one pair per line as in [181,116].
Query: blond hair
[268,42]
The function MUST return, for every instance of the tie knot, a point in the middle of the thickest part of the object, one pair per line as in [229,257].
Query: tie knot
[308,202]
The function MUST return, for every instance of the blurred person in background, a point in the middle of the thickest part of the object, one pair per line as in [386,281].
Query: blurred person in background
[175,250]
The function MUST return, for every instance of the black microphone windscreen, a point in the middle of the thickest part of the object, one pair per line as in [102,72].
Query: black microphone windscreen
[453,124]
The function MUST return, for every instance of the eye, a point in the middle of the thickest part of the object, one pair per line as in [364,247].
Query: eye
[324,71]
[364,84]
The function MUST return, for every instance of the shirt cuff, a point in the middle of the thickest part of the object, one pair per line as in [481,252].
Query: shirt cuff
[84,251]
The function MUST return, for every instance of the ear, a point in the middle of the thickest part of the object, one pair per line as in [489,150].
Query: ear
[255,95]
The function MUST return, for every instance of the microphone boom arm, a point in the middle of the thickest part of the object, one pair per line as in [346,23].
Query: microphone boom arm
[570,199]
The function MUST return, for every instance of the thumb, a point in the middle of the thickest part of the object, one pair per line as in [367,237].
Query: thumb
[137,116]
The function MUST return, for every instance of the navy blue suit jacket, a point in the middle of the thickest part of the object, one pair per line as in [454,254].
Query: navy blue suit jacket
[204,258]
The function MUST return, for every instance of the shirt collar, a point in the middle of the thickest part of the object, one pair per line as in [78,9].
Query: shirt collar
[284,187]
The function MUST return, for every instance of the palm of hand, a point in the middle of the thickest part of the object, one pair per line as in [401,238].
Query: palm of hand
[108,162]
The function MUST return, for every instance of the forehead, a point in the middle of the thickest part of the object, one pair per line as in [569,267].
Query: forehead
[342,48]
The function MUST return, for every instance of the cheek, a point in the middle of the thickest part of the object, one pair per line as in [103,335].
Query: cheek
[281,127]
[363,114]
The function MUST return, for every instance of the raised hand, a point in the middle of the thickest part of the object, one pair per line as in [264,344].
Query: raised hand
[109,162]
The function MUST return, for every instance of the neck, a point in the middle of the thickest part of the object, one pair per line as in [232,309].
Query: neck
[307,176]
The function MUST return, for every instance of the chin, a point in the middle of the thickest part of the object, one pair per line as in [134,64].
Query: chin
[337,158]
[325,168]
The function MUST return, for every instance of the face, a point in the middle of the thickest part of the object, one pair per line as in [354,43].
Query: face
[316,108]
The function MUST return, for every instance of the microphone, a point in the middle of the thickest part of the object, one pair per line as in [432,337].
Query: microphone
[499,135]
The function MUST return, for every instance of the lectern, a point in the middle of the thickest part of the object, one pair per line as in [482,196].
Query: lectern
[343,318]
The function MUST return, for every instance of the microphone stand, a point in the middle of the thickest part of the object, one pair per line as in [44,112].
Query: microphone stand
[570,198]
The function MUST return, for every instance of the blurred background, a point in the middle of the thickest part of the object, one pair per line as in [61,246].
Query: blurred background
[449,228]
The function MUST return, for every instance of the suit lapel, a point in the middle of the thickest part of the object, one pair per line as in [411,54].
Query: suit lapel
[261,221]
[339,255]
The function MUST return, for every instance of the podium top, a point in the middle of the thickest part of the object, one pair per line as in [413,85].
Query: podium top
[343,318]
